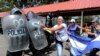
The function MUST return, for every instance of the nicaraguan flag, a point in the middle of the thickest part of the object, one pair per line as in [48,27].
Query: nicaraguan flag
[80,45]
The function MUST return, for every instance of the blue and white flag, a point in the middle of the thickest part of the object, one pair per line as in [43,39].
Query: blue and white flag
[81,45]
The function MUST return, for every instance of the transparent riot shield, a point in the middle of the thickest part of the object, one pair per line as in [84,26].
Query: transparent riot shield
[36,32]
[14,29]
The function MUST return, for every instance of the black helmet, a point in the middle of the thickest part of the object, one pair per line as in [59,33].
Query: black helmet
[31,15]
[15,11]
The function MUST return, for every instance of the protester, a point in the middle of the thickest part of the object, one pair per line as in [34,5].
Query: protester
[85,30]
[79,44]
[72,29]
[61,35]
[73,26]
[94,29]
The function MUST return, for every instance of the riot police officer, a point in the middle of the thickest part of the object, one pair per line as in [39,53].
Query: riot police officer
[15,31]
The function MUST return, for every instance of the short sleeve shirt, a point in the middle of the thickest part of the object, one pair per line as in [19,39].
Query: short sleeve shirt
[62,33]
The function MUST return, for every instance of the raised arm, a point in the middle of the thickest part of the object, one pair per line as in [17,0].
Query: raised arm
[81,27]
[55,28]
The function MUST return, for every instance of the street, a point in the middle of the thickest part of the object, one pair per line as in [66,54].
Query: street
[52,51]
[2,46]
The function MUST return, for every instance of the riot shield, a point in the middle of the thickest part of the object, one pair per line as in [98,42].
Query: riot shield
[36,32]
[14,29]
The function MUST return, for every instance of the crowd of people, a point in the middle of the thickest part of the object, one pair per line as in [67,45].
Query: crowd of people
[64,32]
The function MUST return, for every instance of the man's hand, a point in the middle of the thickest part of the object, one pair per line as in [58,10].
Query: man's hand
[45,28]
[43,25]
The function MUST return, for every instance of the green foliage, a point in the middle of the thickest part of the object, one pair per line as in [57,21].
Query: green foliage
[5,6]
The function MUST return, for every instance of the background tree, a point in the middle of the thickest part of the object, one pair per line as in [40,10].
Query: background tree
[5,5]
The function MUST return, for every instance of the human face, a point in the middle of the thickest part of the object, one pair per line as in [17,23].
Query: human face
[59,21]
[94,23]
[72,23]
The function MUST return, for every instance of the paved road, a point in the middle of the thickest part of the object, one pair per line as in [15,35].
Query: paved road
[3,48]
[52,52]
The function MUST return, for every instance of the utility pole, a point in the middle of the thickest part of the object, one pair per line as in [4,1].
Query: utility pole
[82,12]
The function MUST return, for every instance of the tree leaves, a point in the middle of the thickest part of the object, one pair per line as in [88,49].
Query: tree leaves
[5,6]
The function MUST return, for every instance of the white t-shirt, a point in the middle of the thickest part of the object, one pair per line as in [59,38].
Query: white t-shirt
[61,35]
